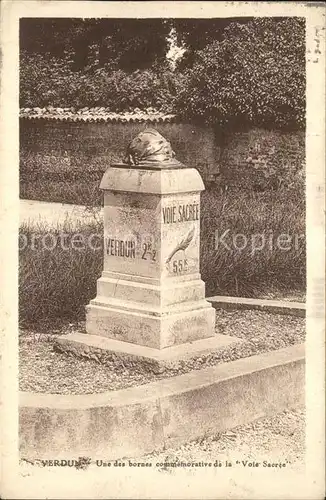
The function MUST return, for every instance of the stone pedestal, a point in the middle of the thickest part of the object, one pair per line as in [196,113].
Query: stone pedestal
[150,292]
[150,308]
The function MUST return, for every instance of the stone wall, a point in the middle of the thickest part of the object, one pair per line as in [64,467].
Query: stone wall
[236,159]
[259,157]
[78,145]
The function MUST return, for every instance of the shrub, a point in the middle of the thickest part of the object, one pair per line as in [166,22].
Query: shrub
[49,81]
[254,75]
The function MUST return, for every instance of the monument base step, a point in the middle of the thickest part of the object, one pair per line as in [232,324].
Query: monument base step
[153,327]
[112,352]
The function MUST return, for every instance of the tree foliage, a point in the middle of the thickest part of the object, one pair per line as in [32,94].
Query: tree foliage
[56,84]
[254,75]
[95,62]
[195,34]
[248,71]
[128,44]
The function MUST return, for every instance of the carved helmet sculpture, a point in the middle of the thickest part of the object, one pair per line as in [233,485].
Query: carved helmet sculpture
[150,147]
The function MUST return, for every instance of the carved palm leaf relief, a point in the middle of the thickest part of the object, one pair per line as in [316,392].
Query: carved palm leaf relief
[183,245]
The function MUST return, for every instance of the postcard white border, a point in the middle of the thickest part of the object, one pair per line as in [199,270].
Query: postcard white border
[74,484]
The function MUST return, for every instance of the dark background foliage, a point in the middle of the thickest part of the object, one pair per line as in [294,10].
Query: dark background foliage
[249,71]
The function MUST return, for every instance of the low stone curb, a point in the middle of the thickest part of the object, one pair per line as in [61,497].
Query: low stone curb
[266,305]
[138,420]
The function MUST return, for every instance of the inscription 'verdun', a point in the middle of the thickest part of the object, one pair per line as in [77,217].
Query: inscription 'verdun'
[121,248]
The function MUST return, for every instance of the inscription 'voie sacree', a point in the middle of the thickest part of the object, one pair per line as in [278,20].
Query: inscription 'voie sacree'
[121,248]
[180,213]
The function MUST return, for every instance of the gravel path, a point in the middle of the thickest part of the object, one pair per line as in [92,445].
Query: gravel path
[44,370]
[277,439]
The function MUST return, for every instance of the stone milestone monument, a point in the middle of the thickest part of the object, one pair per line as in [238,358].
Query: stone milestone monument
[150,300]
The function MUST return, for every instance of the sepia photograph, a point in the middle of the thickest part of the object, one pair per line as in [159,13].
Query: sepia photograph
[163,249]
